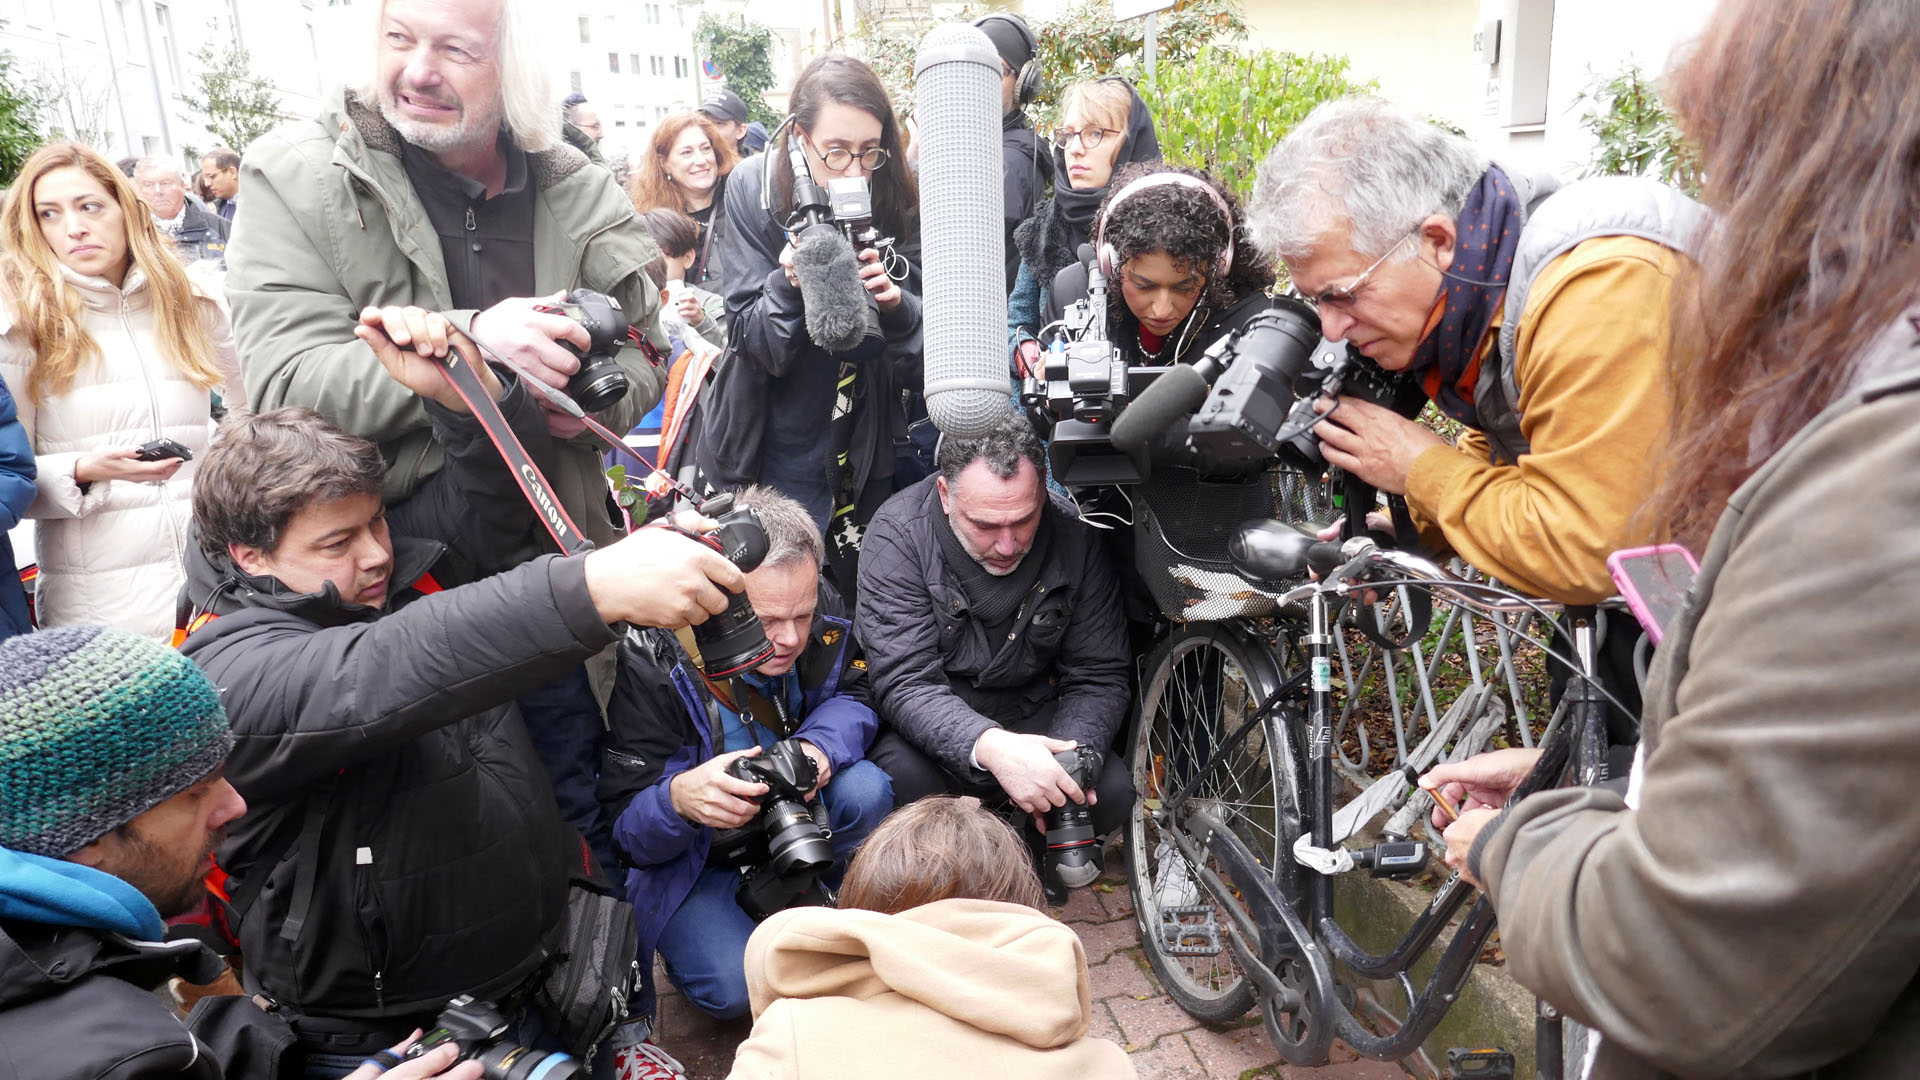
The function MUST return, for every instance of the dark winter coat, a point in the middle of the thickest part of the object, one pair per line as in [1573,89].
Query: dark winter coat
[769,346]
[439,863]
[940,682]
[79,1004]
[1026,163]
[202,235]
[659,727]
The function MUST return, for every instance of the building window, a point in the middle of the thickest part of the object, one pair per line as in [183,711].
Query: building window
[586,30]
[613,62]
[681,67]
[653,14]
[574,81]
[659,65]
[619,123]
[163,19]
[633,63]
[659,112]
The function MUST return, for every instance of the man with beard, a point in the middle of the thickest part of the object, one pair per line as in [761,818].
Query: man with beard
[445,184]
[992,622]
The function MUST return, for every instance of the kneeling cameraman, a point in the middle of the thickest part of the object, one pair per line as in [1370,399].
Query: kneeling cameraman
[704,779]
[404,846]
[998,640]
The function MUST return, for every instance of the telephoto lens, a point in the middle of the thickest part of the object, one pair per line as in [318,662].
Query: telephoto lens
[1073,851]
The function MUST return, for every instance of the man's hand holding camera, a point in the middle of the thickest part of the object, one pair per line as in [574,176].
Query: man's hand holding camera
[709,795]
[1026,770]
[526,339]
[1375,444]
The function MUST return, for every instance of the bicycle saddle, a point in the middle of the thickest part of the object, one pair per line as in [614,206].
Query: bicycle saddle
[1268,552]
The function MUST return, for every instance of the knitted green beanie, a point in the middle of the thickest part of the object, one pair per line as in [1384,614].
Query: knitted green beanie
[98,726]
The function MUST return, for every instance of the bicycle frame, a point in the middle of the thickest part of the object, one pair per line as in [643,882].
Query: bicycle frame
[1276,933]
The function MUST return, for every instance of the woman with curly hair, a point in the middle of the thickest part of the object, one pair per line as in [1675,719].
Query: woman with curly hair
[1170,241]
[685,168]
[108,347]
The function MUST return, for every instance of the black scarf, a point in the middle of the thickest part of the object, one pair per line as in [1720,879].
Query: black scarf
[1447,362]
[1051,238]
[993,600]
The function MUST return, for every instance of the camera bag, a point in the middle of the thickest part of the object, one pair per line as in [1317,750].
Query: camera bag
[588,987]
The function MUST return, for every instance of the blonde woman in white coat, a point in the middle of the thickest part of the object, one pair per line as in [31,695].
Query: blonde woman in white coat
[108,347]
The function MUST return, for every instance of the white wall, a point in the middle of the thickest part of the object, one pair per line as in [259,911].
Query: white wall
[1420,51]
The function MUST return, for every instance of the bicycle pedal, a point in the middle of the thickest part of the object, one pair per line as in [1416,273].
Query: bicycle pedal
[1189,939]
[1487,1063]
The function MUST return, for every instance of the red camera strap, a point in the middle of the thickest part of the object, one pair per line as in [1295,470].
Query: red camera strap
[533,483]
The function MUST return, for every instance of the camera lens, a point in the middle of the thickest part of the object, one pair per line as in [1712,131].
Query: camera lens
[502,1062]
[1073,851]
[598,384]
[732,641]
[794,841]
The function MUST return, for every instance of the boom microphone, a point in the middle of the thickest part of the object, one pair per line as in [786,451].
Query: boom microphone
[839,314]
[957,102]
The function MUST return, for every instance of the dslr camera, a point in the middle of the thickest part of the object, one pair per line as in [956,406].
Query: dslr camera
[783,851]
[478,1029]
[599,383]
[733,641]
[1073,851]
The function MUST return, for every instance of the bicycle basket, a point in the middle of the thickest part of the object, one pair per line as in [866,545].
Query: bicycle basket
[1181,527]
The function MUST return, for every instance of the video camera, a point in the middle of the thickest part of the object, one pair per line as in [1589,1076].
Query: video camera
[1085,382]
[783,851]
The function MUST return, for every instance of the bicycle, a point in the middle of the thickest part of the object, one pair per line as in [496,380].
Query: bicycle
[1233,757]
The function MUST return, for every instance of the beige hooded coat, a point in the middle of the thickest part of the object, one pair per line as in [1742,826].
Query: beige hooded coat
[958,988]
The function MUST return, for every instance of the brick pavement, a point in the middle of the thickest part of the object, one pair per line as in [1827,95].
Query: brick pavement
[1129,1008]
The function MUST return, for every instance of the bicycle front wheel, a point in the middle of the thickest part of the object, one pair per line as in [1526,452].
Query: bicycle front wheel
[1206,684]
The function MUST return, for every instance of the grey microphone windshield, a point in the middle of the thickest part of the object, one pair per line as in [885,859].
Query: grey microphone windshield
[964,272]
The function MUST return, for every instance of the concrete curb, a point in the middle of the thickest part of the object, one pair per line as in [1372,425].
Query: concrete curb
[1493,1010]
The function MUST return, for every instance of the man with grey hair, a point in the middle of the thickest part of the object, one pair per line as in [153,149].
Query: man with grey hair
[195,233]
[674,733]
[1532,313]
[994,625]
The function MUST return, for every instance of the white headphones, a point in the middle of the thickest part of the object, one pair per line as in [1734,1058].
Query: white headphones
[1105,252]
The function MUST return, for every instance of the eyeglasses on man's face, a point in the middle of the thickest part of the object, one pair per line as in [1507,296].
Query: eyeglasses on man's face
[1340,298]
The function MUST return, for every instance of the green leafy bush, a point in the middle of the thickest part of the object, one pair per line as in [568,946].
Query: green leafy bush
[1634,132]
[19,120]
[1222,110]
[743,51]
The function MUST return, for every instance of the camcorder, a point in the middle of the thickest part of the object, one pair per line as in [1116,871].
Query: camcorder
[479,1030]
[783,851]
[599,383]
[1248,400]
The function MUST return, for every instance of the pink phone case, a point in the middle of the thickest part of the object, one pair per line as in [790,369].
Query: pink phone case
[1616,565]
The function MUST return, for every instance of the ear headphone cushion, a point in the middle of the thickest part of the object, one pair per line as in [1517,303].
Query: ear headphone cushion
[1027,85]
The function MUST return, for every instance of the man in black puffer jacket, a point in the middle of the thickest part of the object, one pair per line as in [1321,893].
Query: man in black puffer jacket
[404,846]
[993,626]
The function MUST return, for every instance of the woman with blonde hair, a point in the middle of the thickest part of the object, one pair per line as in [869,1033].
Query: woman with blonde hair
[110,349]
[939,963]
[686,169]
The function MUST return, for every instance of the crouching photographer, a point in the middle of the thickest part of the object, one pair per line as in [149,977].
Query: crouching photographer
[736,777]
[403,847]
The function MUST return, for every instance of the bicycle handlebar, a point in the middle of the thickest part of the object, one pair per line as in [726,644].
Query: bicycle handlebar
[1343,568]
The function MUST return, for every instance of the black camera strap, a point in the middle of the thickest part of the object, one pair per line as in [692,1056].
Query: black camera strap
[533,483]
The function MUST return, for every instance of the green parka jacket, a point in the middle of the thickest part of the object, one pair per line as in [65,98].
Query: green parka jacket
[334,225]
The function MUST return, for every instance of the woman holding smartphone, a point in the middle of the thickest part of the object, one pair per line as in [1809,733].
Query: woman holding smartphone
[112,354]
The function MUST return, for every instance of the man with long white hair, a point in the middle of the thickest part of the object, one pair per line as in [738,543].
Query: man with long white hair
[441,182]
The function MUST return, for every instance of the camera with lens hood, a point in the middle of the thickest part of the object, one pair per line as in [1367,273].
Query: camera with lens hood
[733,641]
[479,1030]
[783,851]
[599,383]
[1073,850]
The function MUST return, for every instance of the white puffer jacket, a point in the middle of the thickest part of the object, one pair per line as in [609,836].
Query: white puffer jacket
[112,556]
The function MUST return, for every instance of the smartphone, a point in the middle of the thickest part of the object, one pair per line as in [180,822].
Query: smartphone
[1655,580]
[160,449]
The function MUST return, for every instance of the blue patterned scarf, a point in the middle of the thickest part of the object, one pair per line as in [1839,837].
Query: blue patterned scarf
[1447,362]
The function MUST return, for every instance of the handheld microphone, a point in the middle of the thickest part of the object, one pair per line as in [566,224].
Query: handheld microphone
[957,101]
